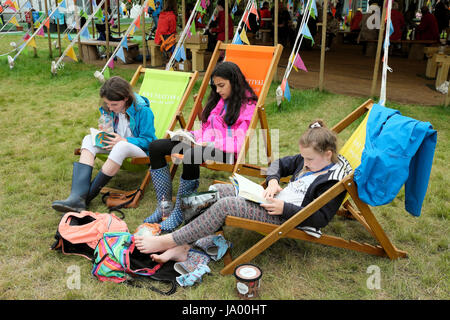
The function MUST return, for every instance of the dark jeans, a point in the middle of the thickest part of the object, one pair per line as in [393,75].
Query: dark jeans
[193,157]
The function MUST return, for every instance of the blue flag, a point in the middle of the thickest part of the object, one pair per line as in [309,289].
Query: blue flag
[237,40]
[307,34]
[85,33]
[121,55]
[124,43]
[178,55]
[63,4]
[183,53]
[287,92]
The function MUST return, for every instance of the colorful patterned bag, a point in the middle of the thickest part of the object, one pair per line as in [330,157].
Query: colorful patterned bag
[116,260]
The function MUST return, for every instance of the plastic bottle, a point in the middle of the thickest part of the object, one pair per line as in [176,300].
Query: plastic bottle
[105,123]
[165,207]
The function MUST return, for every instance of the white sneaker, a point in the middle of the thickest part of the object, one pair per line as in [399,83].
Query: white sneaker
[314,232]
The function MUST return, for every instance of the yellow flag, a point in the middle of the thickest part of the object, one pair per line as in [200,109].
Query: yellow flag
[151,4]
[244,37]
[32,43]
[293,65]
[16,5]
[132,30]
[71,54]
[66,38]
[14,22]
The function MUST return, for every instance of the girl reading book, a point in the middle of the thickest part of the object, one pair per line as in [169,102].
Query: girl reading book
[225,120]
[133,130]
[313,171]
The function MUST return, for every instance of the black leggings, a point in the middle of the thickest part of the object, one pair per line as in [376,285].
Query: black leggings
[193,157]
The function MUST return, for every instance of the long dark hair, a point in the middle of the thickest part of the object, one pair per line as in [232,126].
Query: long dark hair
[241,92]
[117,89]
[170,5]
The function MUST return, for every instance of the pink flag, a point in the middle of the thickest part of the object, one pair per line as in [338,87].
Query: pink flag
[111,64]
[299,63]
[40,31]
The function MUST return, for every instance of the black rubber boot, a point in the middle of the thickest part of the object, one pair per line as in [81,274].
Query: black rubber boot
[81,181]
[97,184]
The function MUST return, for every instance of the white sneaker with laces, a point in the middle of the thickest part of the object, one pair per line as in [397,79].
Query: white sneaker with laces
[314,232]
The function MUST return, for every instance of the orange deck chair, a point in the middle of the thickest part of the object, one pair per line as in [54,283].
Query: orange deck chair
[258,64]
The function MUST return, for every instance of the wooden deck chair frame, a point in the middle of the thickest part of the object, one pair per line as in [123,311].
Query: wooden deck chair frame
[259,114]
[145,161]
[362,213]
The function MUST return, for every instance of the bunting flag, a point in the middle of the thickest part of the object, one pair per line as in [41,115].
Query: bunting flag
[63,4]
[47,23]
[192,28]
[254,11]
[121,55]
[83,14]
[133,28]
[203,4]
[183,53]
[106,74]
[26,37]
[243,37]
[32,43]
[287,91]
[151,4]
[237,40]
[137,22]
[69,38]
[298,63]
[124,44]
[85,34]
[110,64]
[180,54]
[71,54]
[307,34]
[99,14]
[313,9]
[121,10]
[14,21]
[28,5]
[40,32]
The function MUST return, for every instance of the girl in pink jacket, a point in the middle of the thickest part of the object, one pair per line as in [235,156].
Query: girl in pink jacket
[225,121]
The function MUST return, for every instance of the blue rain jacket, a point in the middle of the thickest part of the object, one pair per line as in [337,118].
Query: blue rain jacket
[398,151]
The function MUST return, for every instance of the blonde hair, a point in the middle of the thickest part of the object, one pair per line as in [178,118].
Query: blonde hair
[320,139]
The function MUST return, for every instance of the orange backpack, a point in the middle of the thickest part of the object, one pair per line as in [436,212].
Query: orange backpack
[79,233]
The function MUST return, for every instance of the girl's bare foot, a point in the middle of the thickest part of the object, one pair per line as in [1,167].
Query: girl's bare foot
[178,254]
[152,244]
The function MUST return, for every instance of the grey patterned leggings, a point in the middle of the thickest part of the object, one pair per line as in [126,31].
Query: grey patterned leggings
[213,218]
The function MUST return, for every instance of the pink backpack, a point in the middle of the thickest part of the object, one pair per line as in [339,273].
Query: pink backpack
[79,232]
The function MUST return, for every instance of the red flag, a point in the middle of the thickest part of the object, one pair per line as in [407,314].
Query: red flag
[254,11]
[137,23]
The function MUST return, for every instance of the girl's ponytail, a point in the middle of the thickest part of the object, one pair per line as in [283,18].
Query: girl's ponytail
[320,138]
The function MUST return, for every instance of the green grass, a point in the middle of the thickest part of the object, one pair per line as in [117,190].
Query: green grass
[44,118]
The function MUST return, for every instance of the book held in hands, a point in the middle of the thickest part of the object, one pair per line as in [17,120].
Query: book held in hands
[248,189]
[98,137]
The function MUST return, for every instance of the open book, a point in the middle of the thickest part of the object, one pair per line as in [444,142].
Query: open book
[182,136]
[248,189]
[98,137]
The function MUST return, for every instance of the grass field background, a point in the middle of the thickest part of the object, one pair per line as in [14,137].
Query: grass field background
[45,117]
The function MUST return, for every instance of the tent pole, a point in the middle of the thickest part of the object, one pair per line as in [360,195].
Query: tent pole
[323,42]
[377,58]
[144,41]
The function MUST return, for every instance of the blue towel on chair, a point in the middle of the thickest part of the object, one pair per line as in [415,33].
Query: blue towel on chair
[398,151]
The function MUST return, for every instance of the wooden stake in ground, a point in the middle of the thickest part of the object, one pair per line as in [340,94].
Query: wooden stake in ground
[323,44]
[48,31]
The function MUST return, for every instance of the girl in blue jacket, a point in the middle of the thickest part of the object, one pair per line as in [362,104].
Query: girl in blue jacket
[133,124]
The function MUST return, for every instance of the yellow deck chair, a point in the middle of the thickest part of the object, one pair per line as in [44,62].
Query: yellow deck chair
[258,64]
[168,92]
[360,211]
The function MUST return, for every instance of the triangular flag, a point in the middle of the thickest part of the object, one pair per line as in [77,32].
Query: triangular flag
[69,37]
[391,30]
[137,22]
[111,64]
[121,55]
[183,53]
[28,5]
[307,33]
[47,23]
[99,14]
[299,63]
[14,21]
[237,40]
[151,4]
[71,54]
[32,43]
[26,37]
[132,30]
[287,91]
[203,4]
[313,9]
[63,4]
[245,19]
[189,34]
[106,74]
[85,33]
[124,43]
[254,11]
[192,28]
[178,55]
[243,36]
[40,32]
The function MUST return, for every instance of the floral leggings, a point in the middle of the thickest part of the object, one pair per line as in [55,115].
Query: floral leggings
[214,218]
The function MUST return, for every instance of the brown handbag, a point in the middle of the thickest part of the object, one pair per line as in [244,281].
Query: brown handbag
[128,199]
